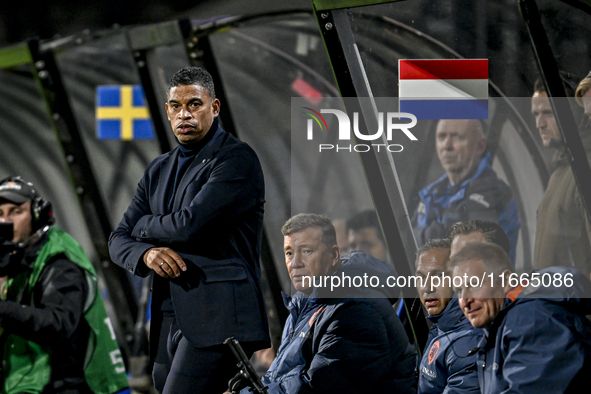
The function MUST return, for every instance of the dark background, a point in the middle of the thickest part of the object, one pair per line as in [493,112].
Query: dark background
[20,21]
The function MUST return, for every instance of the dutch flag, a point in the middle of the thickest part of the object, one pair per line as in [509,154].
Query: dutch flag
[444,89]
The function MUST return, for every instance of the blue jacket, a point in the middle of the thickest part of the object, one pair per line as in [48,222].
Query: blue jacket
[344,345]
[446,366]
[540,345]
[482,196]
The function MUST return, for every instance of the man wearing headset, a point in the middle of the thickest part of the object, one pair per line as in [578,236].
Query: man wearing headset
[55,331]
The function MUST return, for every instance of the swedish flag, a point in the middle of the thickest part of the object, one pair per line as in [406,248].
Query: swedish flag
[121,113]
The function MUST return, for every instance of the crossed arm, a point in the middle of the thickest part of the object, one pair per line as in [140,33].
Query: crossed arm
[143,240]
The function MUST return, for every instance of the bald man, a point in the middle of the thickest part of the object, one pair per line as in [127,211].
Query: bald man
[469,189]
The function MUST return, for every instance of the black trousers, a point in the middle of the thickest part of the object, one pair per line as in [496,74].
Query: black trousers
[181,368]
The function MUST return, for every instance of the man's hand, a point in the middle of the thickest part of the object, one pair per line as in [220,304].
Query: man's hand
[165,262]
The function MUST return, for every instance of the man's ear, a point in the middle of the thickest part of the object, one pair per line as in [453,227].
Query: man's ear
[481,146]
[216,107]
[336,256]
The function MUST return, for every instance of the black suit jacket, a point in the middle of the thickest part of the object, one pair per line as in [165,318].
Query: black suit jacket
[216,227]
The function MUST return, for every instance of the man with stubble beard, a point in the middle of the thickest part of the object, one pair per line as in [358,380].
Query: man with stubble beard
[195,224]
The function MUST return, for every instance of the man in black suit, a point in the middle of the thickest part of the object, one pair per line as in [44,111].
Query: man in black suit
[196,222]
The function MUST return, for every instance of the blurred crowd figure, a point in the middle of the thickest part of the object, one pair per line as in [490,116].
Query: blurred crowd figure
[469,189]
[364,233]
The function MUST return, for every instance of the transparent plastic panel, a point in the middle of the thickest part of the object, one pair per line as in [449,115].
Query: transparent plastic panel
[504,182]
[263,64]
[31,149]
[568,28]
[118,164]
[509,172]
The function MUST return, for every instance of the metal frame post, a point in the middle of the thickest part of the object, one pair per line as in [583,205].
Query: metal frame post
[82,177]
[201,53]
[380,170]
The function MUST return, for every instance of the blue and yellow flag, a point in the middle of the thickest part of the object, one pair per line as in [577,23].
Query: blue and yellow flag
[121,113]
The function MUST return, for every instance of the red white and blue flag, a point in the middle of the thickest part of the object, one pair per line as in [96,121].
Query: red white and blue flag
[444,88]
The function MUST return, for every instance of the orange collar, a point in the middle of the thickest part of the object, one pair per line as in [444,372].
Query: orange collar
[513,294]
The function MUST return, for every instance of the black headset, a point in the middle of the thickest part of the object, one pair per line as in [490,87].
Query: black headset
[41,209]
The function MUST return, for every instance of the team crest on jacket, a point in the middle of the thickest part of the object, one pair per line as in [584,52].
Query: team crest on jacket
[479,198]
[433,351]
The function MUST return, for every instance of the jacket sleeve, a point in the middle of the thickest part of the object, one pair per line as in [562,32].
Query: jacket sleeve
[234,186]
[124,249]
[353,354]
[540,352]
[59,298]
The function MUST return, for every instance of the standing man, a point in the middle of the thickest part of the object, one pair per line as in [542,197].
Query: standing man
[447,365]
[51,312]
[342,340]
[538,339]
[196,223]
[563,233]
[469,189]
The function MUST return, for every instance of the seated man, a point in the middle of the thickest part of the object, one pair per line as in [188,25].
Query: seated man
[469,189]
[56,335]
[446,366]
[538,342]
[337,345]
[477,230]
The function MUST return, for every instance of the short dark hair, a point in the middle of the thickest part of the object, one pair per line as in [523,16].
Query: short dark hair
[490,230]
[364,219]
[492,255]
[193,76]
[303,221]
[435,243]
